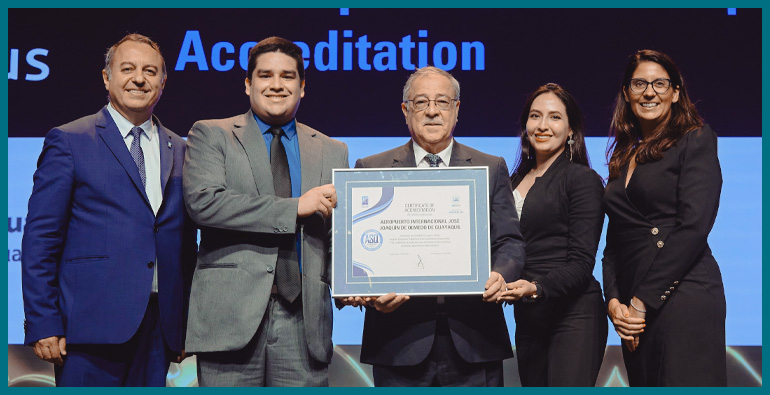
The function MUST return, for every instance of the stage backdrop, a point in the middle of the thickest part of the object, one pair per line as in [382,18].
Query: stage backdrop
[357,61]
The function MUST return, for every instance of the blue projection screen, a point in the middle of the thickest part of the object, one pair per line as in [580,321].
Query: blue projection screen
[738,224]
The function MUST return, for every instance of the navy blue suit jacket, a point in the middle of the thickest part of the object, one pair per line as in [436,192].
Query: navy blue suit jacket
[91,239]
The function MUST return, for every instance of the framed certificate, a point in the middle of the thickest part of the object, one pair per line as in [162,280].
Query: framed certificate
[412,231]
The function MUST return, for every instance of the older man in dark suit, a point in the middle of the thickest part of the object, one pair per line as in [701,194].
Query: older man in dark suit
[453,340]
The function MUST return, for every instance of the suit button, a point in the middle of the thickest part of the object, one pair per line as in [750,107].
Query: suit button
[276,230]
[654,231]
[676,282]
[150,264]
[660,243]
[663,298]
[667,293]
[269,269]
[155,229]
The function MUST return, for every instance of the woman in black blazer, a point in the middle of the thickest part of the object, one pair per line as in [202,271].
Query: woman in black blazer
[561,329]
[661,200]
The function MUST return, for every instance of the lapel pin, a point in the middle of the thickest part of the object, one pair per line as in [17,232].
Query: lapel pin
[169,144]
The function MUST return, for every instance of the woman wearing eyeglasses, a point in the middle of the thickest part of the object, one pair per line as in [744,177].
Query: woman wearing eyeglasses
[561,328]
[663,286]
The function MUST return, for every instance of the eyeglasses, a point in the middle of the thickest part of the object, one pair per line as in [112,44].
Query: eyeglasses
[421,103]
[639,85]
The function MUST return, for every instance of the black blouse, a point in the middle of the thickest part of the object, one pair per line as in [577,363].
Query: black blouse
[561,222]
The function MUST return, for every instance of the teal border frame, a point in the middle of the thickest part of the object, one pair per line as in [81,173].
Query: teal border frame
[422,4]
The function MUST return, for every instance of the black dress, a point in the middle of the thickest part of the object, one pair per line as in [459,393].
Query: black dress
[657,250]
[561,336]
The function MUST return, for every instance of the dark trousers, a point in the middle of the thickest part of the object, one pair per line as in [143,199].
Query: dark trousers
[142,361]
[683,344]
[561,342]
[444,367]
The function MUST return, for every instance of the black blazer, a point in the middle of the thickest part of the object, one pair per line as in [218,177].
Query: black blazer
[659,225]
[405,336]
[562,222]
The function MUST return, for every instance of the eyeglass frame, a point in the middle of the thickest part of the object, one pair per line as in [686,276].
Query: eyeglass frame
[435,102]
[648,83]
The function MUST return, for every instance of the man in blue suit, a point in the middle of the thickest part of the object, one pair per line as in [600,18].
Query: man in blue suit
[108,250]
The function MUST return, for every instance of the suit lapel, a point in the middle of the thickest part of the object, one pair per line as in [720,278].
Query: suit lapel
[247,132]
[166,155]
[405,156]
[311,157]
[460,156]
[111,136]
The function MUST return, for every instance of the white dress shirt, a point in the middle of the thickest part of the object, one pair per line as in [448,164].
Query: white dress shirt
[151,151]
[419,155]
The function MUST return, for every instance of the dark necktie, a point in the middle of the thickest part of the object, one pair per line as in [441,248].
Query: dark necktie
[287,267]
[433,159]
[138,154]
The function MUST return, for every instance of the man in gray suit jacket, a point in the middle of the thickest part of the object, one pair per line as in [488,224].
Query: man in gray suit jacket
[453,340]
[258,185]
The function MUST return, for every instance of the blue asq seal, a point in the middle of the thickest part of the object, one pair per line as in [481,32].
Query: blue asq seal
[371,240]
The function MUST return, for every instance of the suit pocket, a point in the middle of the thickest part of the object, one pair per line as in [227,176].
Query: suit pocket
[87,259]
[217,266]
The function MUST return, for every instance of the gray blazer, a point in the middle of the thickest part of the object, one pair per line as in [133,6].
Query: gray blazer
[228,191]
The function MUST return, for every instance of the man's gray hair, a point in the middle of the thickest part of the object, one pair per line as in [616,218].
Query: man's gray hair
[428,70]
[136,37]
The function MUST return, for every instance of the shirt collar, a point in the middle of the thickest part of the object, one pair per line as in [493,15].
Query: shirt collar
[419,153]
[125,126]
[290,129]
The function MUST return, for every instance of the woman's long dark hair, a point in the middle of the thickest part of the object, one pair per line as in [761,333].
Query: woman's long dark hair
[625,131]
[526,158]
